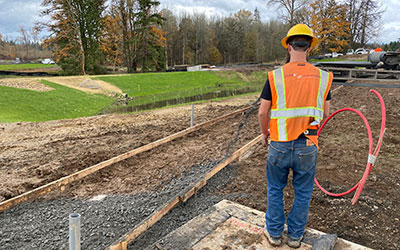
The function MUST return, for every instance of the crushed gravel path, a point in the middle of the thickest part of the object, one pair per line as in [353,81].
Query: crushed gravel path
[44,224]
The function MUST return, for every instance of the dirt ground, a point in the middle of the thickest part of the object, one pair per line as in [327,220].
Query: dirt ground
[33,154]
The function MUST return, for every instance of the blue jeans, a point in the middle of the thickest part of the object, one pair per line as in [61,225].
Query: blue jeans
[302,160]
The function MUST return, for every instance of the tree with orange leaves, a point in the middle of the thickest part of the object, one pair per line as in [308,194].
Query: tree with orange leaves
[111,39]
[330,25]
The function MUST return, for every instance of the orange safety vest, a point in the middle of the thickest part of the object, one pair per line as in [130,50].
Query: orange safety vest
[299,91]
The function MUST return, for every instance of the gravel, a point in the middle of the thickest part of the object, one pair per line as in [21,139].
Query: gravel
[44,224]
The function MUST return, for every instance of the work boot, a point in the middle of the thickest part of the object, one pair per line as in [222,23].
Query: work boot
[274,241]
[293,243]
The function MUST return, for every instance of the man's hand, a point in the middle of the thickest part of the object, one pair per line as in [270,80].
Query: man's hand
[265,137]
[263,119]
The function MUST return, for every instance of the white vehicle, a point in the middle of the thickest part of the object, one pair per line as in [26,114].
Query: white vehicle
[335,54]
[48,61]
[350,52]
[361,51]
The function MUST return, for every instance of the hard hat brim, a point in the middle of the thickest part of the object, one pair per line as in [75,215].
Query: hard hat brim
[313,42]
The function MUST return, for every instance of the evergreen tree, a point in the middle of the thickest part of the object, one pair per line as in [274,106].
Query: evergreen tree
[148,31]
[76,28]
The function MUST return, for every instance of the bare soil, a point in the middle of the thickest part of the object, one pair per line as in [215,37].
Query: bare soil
[33,154]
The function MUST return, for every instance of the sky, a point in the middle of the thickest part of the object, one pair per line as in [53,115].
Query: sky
[16,13]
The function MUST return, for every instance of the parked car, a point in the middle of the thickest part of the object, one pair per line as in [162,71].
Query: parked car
[361,51]
[335,54]
[350,52]
[48,61]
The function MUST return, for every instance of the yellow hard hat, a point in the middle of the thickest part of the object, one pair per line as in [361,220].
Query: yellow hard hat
[299,29]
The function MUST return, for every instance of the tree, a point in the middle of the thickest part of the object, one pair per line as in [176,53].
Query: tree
[148,23]
[186,40]
[24,40]
[370,20]
[364,18]
[330,25]
[111,39]
[290,7]
[75,28]
[202,38]
[126,10]
[170,29]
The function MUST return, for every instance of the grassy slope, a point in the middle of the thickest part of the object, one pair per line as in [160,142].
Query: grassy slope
[25,66]
[61,103]
[151,87]
[64,103]
[156,83]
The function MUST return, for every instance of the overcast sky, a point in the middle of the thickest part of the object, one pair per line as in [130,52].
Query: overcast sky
[14,13]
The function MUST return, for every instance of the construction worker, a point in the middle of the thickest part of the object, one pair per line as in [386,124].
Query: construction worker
[295,99]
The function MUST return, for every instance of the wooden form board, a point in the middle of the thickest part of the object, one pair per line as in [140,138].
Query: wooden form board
[61,183]
[122,243]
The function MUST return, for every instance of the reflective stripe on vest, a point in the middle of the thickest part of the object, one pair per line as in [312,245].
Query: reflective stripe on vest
[281,113]
[279,81]
[323,85]
[297,112]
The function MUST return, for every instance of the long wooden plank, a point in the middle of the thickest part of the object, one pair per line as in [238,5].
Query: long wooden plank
[122,244]
[62,182]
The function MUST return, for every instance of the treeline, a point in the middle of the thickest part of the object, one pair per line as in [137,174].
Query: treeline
[86,35]
[392,46]
[241,37]
[26,47]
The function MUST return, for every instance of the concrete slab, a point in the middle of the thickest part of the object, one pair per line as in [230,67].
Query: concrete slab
[228,225]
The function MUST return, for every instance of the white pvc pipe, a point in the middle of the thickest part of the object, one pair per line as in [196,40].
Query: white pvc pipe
[74,232]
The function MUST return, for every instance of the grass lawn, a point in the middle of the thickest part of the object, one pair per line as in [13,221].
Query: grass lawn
[61,103]
[153,87]
[25,66]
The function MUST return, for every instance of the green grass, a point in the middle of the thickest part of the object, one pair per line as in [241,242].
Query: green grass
[154,87]
[65,103]
[25,66]
[60,103]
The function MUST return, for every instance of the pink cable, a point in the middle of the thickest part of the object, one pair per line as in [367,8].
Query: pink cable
[359,186]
